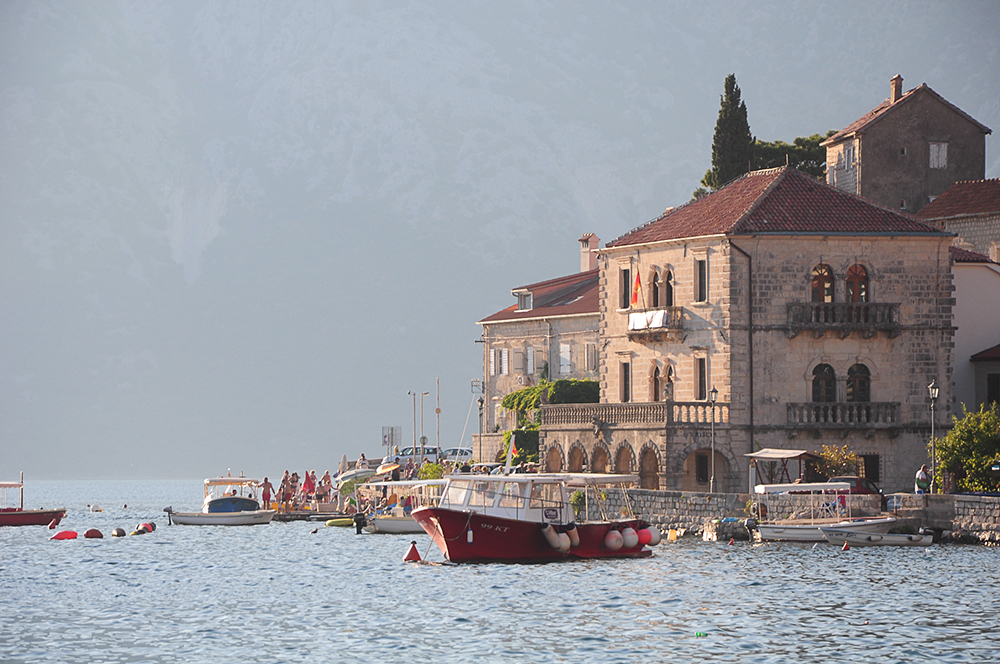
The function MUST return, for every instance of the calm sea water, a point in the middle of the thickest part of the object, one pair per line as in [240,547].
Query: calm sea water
[281,593]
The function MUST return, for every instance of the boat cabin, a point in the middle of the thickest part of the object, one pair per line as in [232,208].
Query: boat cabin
[230,494]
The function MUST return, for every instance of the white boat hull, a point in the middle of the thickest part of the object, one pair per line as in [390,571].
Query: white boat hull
[393,525]
[853,538]
[221,518]
[810,532]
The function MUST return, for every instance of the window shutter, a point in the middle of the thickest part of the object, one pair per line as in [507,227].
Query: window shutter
[565,358]
[493,361]
[518,361]
[504,362]
[530,369]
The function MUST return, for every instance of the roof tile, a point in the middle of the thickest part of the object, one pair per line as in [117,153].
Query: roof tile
[574,294]
[966,197]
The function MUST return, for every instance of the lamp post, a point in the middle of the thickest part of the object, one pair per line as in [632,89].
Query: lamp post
[713,395]
[932,391]
[422,439]
[414,395]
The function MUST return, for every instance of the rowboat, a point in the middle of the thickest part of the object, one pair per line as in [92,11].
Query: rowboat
[229,501]
[16,515]
[854,538]
[529,518]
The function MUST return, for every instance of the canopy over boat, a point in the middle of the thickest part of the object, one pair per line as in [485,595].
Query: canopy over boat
[10,485]
[802,487]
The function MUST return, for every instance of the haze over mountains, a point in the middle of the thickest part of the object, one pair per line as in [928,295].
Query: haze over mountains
[235,234]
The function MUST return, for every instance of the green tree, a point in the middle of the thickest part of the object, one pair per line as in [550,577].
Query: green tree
[803,154]
[525,402]
[837,461]
[732,145]
[971,449]
[526,442]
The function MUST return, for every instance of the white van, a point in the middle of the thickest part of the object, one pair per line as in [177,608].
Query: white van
[407,453]
[459,454]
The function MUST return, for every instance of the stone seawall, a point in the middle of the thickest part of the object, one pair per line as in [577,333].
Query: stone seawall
[974,519]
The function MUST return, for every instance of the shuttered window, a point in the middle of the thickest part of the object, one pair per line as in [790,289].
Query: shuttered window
[530,355]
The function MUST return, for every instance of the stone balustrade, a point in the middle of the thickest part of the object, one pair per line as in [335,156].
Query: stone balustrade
[865,414]
[624,414]
[846,317]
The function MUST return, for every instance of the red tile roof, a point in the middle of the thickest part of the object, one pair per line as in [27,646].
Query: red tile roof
[988,354]
[966,197]
[966,256]
[566,296]
[880,111]
[778,200]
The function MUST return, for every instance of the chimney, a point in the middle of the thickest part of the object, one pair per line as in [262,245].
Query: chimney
[896,91]
[588,259]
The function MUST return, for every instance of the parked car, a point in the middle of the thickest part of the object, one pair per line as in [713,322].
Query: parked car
[458,453]
[407,453]
[858,484]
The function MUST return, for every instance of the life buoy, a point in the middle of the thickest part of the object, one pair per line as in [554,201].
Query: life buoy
[613,540]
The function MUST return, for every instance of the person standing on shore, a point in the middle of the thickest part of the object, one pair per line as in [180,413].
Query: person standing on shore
[922,482]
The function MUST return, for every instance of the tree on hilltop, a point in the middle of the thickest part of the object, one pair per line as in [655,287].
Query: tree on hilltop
[732,145]
[803,154]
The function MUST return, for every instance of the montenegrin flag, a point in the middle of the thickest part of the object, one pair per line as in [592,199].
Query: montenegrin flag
[513,448]
[635,290]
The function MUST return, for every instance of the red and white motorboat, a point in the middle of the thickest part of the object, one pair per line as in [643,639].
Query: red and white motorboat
[11,515]
[529,518]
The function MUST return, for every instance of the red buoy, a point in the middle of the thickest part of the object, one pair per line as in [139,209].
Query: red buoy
[412,556]
[847,547]
[645,537]
[732,540]
[64,535]
[94,533]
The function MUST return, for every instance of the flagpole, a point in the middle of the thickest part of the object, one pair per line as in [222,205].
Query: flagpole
[510,449]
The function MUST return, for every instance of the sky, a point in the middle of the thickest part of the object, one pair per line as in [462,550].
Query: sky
[235,235]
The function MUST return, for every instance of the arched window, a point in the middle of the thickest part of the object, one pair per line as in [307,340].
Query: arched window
[657,385]
[824,384]
[857,283]
[668,290]
[859,383]
[822,283]
[655,288]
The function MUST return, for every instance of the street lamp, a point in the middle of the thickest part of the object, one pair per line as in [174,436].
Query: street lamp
[713,395]
[932,391]
[414,395]
[422,439]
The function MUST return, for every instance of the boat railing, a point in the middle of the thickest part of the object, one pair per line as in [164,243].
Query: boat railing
[507,499]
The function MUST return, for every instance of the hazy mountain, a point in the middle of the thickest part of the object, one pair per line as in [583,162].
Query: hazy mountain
[235,234]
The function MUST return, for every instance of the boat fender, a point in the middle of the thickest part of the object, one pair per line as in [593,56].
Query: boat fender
[468,536]
[144,527]
[630,539]
[644,536]
[151,526]
[564,542]
[94,533]
[412,556]
[118,532]
[64,535]
[655,536]
[574,535]
[613,540]
[551,536]
[141,531]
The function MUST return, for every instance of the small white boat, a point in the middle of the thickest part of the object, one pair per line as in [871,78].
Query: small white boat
[827,507]
[229,501]
[840,536]
[400,500]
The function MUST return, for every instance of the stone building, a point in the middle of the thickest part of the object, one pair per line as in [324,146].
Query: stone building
[776,312]
[977,328]
[549,333]
[970,210]
[907,150]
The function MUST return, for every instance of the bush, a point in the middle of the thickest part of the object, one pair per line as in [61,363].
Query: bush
[971,450]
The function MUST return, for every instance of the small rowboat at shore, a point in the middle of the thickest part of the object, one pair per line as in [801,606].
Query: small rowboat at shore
[11,515]
[854,538]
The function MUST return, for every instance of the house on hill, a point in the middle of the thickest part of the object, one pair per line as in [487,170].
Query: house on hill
[549,333]
[970,210]
[907,150]
[775,312]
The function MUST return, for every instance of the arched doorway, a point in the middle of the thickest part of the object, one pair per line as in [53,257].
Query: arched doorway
[649,469]
[553,460]
[577,460]
[624,459]
[599,463]
[698,471]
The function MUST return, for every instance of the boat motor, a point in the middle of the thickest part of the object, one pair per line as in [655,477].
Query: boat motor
[359,522]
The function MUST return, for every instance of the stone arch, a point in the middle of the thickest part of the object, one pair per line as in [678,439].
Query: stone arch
[600,459]
[554,459]
[698,470]
[624,458]
[577,457]
[649,467]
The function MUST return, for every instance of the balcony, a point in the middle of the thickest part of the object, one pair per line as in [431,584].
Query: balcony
[655,324]
[660,413]
[868,318]
[843,415]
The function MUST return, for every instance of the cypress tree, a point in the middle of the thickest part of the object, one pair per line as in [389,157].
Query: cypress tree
[732,146]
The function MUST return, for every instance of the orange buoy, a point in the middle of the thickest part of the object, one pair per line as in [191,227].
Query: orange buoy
[94,533]
[64,535]
[732,540]
[847,547]
[412,556]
